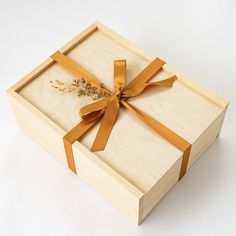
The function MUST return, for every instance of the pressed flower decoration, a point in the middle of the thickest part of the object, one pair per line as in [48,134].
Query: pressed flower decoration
[79,86]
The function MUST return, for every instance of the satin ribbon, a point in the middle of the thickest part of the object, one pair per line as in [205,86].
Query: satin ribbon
[107,109]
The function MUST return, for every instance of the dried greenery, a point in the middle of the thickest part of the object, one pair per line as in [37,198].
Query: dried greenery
[81,87]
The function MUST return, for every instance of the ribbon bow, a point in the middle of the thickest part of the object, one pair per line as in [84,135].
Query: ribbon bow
[107,109]
[109,106]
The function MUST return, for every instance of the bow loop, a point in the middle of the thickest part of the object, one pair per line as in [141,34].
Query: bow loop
[89,110]
[119,75]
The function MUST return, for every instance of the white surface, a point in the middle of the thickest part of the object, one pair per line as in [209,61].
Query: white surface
[38,196]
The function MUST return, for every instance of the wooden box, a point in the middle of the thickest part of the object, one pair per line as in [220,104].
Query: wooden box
[138,166]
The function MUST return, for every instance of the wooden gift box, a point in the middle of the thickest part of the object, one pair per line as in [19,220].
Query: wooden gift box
[138,166]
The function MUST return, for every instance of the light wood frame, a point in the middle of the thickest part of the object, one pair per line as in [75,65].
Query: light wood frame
[131,200]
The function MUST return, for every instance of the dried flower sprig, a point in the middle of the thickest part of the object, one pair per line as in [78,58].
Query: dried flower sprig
[81,87]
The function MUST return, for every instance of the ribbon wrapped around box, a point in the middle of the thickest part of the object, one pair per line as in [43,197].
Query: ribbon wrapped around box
[106,109]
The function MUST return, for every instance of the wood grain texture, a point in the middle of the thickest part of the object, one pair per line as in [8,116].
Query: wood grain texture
[137,162]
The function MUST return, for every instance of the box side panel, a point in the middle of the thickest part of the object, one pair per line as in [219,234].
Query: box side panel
[115,191]
[149,200]
[123,196]
[37,126]
[206,139]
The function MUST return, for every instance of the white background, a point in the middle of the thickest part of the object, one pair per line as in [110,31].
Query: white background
[38,196]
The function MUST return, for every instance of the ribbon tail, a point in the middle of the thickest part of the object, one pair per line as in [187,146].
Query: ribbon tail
[166,133]
[106,125]
[136,89]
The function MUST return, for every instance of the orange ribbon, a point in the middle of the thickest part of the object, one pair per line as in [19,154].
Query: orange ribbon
[107,109]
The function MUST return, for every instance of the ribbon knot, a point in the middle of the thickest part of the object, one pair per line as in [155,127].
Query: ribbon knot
[119,95]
